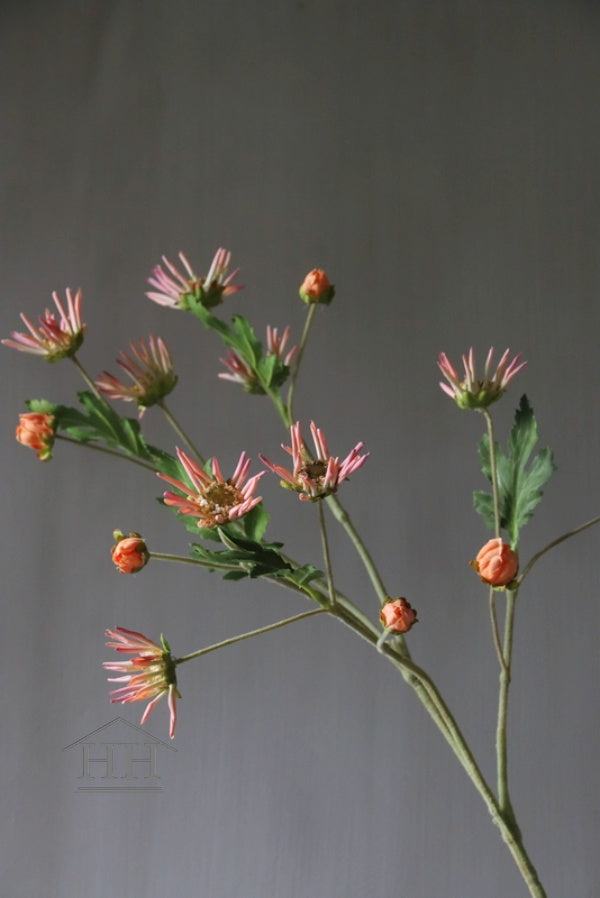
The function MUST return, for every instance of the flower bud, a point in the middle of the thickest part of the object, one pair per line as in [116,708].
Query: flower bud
[129,553]
[398,616]
[36,431]
[496,563]
[316,288]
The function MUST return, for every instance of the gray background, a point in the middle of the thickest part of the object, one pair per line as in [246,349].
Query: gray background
[440,160]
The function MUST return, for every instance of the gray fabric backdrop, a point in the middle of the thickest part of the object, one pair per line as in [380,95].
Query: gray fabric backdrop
[440,160]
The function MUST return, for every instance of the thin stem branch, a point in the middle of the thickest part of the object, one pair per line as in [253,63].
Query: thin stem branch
[185,559]
[495,631]
[551,545]
[179,430]
[88,379]
[493,471]
[250,634]
[326,554]
[296,368]
[96,448]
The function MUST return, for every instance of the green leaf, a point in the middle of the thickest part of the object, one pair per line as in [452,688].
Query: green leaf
[41,406]
[520,478]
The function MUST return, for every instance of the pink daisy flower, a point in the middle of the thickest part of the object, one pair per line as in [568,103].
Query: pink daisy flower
[148,675]
[475,393]
[213,499]
[57,336]
[151,371]
[176,289]
[319,477]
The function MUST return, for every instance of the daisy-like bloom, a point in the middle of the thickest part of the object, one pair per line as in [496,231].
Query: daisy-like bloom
[496,563]
[475,393]
[398,616]
[36,431]
[57,336]
[213,499]
[179,290]
[150,674]
[316,288]
[241,373]
[150,368]
[130,553]
[315,478]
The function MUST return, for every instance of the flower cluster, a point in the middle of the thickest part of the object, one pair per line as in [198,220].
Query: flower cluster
[315,478]
[150,674]
[151,371]
[473,392]
[178,290]
[56,337]
[213,499]
[36,431]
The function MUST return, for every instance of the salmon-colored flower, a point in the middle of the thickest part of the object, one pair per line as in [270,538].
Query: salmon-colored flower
[316,288]
[475,393]
[241,373]
[496,563]
[130,553]
[56,337]
[148,675]
[36,431]
[179,290]
[397,615]
[315,478]
[213,499]
[151,370]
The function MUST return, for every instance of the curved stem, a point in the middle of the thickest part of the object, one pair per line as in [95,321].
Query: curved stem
[96,448]
[307,326]
[555,542]
[342,516]
[250,634]
[88,379]
[179,430]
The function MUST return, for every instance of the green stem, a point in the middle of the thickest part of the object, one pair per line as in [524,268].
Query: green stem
[307,326]
[180,431]
[501,726]
[495,631]
[250,634]
[86,445]
[88,379]
[326,555]
[555,542]
[184,559]
[493,471]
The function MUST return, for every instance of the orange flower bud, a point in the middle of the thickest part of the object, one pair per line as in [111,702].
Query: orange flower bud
[129,553]
[496,563]
[398,616]
[36,431]
[316,288]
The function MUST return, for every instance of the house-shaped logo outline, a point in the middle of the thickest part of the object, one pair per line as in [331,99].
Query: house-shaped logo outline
[148,739]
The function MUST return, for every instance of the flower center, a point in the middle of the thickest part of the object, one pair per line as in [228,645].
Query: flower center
[314,469]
